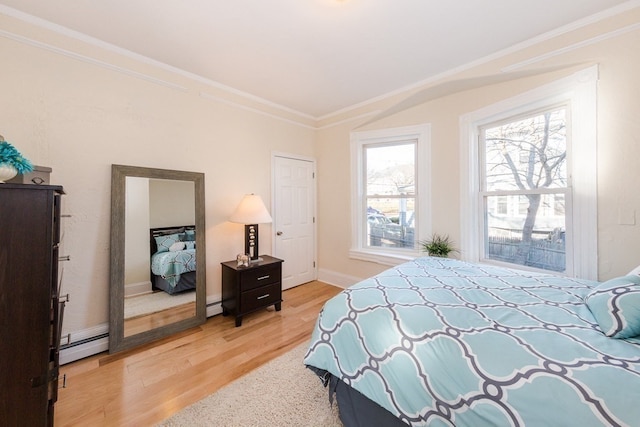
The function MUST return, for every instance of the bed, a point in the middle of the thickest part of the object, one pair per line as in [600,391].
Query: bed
[442,342]
[173,258]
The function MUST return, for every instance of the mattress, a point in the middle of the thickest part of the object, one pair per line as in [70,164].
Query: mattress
[443,342]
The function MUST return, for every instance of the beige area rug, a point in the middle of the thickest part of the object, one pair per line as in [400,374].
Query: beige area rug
[154,302]
[282,392]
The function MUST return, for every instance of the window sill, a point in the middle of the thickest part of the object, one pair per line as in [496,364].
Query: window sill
[384,258]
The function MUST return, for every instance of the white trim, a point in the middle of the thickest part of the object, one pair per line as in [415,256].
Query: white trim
[5,10]
[421,133]
[589,20]
[214,306]
[139,288]
[285,155]
[77,352]
[98,345]
[210,97]
[81,351]
[382,258]
[42,23]
[580,89]
[90,60]
[575,46]
[350,119]
[146,77]
[337,279]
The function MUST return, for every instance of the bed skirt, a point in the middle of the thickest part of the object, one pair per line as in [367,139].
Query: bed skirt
[187,281]
[355,409]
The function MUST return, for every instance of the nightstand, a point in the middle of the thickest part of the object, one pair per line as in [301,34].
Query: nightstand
[247,289]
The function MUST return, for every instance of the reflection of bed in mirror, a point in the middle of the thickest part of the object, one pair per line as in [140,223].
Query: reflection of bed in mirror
[173,258]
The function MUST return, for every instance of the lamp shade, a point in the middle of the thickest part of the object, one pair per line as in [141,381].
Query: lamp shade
[251,210]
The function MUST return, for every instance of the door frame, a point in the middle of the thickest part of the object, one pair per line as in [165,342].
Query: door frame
[274,227]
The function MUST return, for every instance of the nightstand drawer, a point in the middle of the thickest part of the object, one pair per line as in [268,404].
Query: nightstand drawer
[247,289]
[261,297]
[260,277]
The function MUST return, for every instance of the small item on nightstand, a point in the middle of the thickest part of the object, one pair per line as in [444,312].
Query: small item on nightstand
[243,260]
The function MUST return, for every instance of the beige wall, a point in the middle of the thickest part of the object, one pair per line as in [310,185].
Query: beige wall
[78,108]
[136,225]
[171,203]
[613,44]
[80,114]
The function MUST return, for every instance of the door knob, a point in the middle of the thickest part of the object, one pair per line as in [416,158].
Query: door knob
[279,233]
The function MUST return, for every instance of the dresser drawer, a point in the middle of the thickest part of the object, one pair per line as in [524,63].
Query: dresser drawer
[261,297]
[260,277]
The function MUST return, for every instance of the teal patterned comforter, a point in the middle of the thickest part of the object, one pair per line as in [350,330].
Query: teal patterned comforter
[170,265]
[441,342]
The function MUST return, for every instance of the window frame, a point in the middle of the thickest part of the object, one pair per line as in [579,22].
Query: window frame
[566,191]
[361,139]
[579,92]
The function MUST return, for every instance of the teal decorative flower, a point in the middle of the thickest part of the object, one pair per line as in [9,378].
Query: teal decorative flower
[10,156]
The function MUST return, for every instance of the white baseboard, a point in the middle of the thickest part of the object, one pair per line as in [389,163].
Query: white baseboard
[85,343]
[91,341]
[337,279]
[213,305]
[139,288]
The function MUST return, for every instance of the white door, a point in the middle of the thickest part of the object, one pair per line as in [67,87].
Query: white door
[294,219]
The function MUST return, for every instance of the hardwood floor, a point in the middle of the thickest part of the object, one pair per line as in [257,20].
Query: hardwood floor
[168,316]
[144,386]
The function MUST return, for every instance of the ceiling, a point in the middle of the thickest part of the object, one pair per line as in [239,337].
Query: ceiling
[314,57]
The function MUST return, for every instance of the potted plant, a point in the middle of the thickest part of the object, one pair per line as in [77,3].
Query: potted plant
[439,246]
[11,161]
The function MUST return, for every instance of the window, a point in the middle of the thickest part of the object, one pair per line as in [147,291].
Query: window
[391,202]
[390,196]
[529,187]
[524,165]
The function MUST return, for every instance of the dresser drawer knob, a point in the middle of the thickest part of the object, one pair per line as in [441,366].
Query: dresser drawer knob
[263,277]
[263,296]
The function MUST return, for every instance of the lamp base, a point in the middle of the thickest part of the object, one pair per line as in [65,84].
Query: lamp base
[255,261]
[251,241]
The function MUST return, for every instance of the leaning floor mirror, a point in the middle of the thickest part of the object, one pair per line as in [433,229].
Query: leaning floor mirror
[157,275]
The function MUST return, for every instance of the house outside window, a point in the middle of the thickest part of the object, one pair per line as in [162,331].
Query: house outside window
[537,150]
[390,207]
[525,169]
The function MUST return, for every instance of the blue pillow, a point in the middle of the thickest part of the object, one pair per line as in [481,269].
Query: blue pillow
[616,306]
[165,242]
[190,235]
[190,245]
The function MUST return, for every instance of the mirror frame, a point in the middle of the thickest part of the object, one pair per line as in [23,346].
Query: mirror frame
[117,340]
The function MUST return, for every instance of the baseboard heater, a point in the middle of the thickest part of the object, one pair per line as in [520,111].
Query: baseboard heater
[83,341]
[96,340]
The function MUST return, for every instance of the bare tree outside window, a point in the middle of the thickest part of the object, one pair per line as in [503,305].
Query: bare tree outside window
[525,164]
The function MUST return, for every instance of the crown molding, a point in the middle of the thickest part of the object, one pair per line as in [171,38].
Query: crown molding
[89,60]
[221,100]
[41,23]
[76,35]
[571,47]
[592,19]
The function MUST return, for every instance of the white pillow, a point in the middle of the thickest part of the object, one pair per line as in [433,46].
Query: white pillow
[177,246]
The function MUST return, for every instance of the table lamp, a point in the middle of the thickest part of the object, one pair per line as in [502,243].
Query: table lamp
[251,211]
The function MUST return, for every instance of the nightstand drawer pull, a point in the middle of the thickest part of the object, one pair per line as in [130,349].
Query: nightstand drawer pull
[263,296]
[264,277]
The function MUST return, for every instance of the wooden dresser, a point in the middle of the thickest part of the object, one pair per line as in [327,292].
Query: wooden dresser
[247,289]
[30,308]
